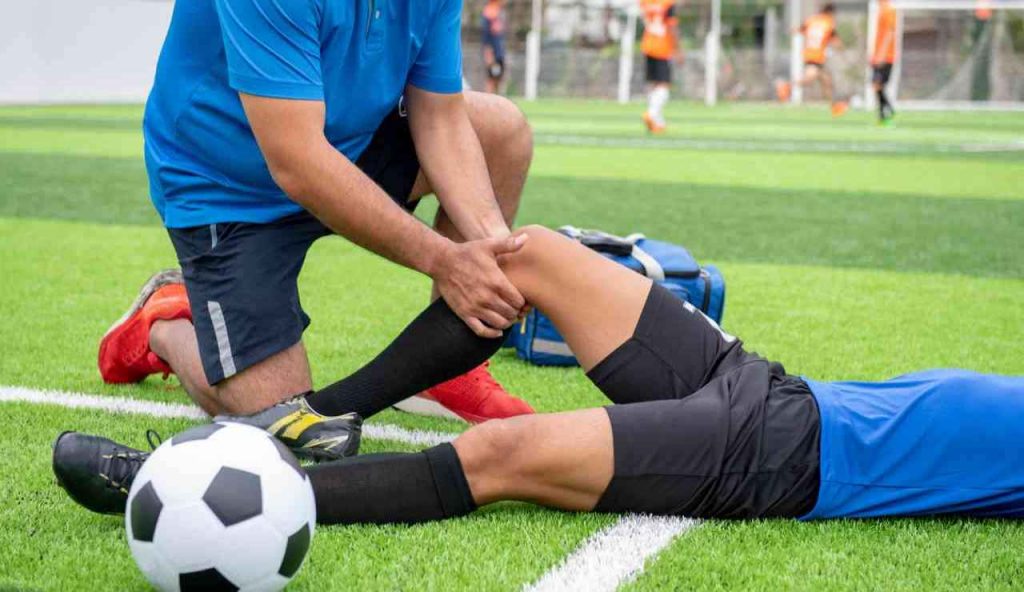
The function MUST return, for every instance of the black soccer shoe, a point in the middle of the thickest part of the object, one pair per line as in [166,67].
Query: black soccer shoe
[96,472]
[307,433]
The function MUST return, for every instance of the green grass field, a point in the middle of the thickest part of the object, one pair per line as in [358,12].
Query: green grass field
[851,251]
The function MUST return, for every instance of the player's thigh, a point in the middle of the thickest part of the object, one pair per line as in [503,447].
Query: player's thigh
[561,460]
[594,303]
[812,72]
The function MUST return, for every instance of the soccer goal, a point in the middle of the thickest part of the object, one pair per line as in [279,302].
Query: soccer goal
[957,54]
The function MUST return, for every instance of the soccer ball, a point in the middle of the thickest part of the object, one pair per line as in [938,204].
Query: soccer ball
[220,507]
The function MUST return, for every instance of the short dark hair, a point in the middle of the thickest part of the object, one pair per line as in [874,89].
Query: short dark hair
[828,7]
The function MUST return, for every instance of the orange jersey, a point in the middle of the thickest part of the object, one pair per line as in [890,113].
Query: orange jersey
[818,32]
[983,10]
[885,37]
[659,40]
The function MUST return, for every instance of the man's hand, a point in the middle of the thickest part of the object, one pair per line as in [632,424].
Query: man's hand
[470,281]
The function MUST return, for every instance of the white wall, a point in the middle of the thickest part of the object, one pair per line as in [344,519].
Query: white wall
[80,51]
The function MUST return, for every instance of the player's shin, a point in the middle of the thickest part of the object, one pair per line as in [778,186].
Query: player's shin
[392,488]
[435,347]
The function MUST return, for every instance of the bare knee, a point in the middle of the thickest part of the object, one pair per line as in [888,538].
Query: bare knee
[491,456]
[526,264]
[504,133]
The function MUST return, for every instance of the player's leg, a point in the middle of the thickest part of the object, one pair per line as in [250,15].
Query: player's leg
[825,78]
[744,446]
[559,460]
[607,313]
[880,78]
[490,81]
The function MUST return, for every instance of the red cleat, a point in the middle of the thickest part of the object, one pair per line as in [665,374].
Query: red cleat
[124,355]
[474,397]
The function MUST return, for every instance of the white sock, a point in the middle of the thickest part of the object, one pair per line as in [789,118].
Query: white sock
[659,97]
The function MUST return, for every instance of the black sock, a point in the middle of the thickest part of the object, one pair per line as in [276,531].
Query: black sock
[884,107]
[382,488]
[437,346]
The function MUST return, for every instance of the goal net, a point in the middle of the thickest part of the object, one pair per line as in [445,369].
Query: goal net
[965,54]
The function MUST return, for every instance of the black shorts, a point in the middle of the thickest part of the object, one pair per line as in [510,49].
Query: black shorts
[658,70]
[881,73]
[703,428]
[242,278]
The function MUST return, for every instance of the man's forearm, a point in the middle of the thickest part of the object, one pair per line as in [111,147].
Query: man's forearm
[352,205]
[453,161]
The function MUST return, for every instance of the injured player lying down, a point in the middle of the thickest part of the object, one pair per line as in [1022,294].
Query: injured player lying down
[699,426]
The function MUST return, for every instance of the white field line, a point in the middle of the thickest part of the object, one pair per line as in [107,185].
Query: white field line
[614,555]
[778,146]
[156,409]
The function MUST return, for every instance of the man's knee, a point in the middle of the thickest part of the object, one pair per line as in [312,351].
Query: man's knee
[491,449]
[541,243]
[502,129]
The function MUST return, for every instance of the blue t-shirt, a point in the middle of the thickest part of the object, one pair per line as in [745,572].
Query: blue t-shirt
[355,55]
[929,443]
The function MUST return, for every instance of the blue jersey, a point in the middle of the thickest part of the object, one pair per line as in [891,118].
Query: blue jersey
[929,443]
[355,55]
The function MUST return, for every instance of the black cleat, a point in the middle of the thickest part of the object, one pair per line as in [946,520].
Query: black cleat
[95,471]
[307,433]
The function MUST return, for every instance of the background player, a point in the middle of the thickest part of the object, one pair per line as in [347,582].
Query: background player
[659,44]
[700,427]
[819,32]
[493,25]
[882,59]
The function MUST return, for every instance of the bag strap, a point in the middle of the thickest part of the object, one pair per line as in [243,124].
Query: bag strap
[627,246]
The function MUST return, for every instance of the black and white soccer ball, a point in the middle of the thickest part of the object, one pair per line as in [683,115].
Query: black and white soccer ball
[220,507]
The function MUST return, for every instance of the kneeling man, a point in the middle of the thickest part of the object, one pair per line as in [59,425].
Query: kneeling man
[273,124]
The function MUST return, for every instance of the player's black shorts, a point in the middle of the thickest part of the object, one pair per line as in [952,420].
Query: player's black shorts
[658,70]
[702,428]
[881,73]
[242,278]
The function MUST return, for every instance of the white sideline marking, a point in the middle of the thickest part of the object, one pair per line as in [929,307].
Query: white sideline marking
[614,555]
[778,146]
[379,431]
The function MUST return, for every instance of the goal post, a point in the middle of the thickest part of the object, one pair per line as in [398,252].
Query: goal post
[955,54]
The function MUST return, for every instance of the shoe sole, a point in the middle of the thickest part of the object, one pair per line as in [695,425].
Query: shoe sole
[155,282]
[417,405]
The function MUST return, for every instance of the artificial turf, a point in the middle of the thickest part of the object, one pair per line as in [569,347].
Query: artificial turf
[841,264]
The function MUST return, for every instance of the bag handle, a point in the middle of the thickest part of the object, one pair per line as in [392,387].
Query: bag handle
[604,242]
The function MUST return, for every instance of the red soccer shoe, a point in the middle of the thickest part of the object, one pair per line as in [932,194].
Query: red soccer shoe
[124,355]
[474,397]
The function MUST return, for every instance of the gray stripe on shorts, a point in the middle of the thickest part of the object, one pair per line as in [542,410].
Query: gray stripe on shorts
[546,346]
[213,236]
[220,329]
